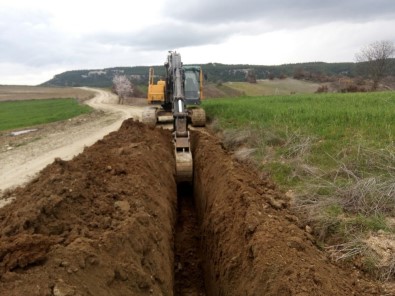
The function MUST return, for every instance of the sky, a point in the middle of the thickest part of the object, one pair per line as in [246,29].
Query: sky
[41,38]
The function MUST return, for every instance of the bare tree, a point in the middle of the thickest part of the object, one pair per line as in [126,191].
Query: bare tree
[376,57]
[122,87]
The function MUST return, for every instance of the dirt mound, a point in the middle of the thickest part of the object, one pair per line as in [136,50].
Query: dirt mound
[100,224]
[252,244]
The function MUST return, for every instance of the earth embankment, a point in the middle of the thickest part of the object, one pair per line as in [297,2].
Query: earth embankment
[99,224]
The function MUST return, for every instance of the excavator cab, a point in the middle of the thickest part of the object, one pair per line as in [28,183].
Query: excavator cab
[193,85]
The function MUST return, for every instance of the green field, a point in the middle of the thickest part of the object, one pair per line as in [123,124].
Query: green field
[19,114]
[333,120]
[334,152]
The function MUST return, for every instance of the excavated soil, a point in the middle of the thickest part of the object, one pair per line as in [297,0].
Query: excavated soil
[100,224]
[113,222]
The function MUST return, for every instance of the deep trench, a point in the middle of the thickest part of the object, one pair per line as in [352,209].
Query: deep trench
[188,265]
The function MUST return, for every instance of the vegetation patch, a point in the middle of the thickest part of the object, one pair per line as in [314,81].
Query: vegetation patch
[334,153]
[18,114]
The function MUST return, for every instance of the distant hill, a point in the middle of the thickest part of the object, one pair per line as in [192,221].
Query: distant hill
[213,72]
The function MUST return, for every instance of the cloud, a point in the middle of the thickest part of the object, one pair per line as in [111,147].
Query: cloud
[45,35]
[168,35]
[282,12]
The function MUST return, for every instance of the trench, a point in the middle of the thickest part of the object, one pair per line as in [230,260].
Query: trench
[188,269]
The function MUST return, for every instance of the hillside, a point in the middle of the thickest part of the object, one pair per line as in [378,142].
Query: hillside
[214,72]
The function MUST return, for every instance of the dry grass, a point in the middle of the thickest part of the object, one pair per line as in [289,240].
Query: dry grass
[369,196]
[298,145]
[348,250]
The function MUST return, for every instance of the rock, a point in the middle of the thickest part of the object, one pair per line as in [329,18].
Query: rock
[120,274]
[296,243]
[122,205]
[309,229]
[64,264]
[277,204]
[62,289]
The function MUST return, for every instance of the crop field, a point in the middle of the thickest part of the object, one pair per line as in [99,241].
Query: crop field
[261,88]
[18,92]
[334,154]
[334,120]
[16,114]
[274,87]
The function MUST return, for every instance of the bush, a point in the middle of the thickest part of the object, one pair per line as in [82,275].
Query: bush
[322,89]
[353,88]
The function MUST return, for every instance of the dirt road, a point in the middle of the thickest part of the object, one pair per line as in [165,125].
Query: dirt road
[19,163]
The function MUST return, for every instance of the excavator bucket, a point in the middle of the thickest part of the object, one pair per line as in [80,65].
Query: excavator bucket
[184,167]
[184,161]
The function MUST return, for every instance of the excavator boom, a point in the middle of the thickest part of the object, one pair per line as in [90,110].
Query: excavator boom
[181,89]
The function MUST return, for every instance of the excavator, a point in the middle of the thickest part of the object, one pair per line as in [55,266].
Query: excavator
[176,99]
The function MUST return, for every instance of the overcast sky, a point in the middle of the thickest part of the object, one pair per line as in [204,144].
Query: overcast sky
[41,38]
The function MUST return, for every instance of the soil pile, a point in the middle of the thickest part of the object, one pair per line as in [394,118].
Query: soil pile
[100,224]
[252,244]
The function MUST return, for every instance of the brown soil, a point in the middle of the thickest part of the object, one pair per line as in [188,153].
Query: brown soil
[100,224]
[105,223]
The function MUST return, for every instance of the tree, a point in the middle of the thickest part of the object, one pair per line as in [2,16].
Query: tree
[122,87]
[251,76]
[376,59]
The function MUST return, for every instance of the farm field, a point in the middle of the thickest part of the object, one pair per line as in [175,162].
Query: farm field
[20,92]
[261,88]
[28,113]
[274,87]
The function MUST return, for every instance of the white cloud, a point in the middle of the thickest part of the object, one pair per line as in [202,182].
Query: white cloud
[38,38]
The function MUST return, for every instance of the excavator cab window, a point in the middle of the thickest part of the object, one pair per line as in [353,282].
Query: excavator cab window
[192,87]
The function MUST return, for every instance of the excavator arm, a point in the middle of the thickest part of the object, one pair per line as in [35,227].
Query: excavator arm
[182,87]
[176,95]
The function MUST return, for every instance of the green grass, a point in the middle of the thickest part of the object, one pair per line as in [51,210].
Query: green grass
[19,114]
[334,120]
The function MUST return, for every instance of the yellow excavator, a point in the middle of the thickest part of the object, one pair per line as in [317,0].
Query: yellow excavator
[176,99]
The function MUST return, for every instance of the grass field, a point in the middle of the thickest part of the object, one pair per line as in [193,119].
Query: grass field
[335,154]
[18,114]
[333,120]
